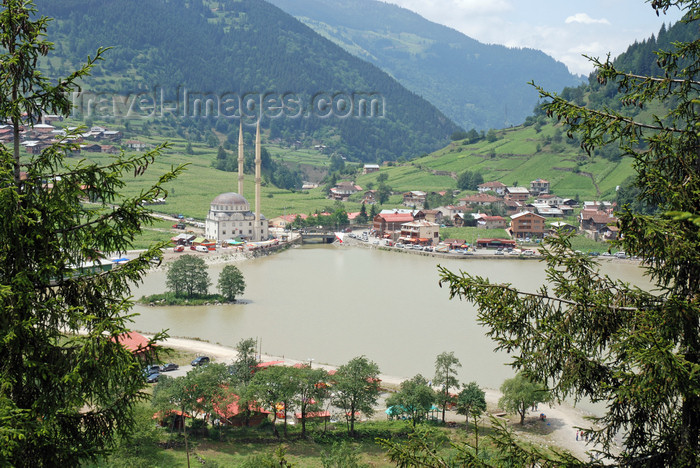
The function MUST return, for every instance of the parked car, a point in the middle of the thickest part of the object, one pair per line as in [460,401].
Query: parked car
[153,378]
[151,369]
[499,252]
[169,367]
[200,361]
[179,248]
[179,226]
[202,248]
[621,255]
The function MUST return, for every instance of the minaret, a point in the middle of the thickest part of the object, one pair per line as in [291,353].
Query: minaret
[258,181]
[241,159]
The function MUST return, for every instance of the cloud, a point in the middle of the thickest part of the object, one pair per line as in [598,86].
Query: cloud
[583,18]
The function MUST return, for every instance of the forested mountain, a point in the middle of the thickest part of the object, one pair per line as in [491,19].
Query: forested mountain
[239,47]
[477,85]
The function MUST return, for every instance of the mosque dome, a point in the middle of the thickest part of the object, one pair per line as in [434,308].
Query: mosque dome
[230,201]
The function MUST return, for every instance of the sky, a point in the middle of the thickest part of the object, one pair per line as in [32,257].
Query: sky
[564,29]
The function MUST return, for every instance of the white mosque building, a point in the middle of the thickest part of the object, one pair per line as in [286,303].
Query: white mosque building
[230,215]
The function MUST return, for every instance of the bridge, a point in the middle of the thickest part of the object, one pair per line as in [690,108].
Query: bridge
[317,237]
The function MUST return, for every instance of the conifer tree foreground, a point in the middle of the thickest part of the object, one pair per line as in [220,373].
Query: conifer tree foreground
[64,396]
[591,337]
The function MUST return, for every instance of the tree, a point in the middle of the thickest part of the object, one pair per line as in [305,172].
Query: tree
[520,394]
[196,393]
[309,391]
[383,193]
[446,365]
[67,387]
[471,401]
[469,180]
[246,361]
[188,275]
[356,389]
[382,177]
[274,385]
[415,398]
[362,217]
[231,282]
[597,338]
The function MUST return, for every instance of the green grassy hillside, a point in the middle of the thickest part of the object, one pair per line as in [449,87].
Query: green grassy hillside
[519,155]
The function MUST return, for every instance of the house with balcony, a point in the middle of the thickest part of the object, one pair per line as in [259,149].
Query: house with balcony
[526,224]
[499,188]
[539,186]
[386,223]
[420,233]
[517,193]
[414,198]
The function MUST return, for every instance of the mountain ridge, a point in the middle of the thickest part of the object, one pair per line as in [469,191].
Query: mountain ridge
[432,59]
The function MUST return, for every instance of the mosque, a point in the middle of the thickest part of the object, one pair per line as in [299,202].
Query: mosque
[229,214]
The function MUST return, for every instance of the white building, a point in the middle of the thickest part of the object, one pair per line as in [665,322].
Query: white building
[230,216]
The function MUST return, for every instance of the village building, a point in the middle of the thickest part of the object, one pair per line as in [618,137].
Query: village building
[595,221]
[136,145]
[490,222]
[420,232]
[136,344]
[370,197]
[387,223]
[481,199]
[448,211]
[370,168]
[343,190]
[284,221]
[561,226]
[415,198]
[546,210]
[495,186]
[230,217]
[526,224]
[517,193]
[512,206]
[434,216]
[539,186]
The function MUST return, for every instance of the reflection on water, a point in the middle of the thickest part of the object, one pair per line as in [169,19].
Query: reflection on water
[333,303]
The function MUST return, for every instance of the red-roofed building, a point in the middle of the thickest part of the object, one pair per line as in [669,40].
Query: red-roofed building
[313,416]
[594,220]
[285,220]
[385,222]
[491,222]
[494,186]
[265,365]
[135,342]
[233,415]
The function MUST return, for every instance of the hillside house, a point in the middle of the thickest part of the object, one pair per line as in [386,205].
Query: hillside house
[414,198]
[561,226]
[526,224]
[136,145]
[490,222]
[343,190]
[595,221]
[517,193]
[480,199]
[497,187]
[370,168]
[448,211]
[370,197]
[434,216]
[539,186]
[512,206]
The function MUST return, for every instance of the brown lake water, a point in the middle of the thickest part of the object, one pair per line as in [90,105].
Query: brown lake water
[331,304]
